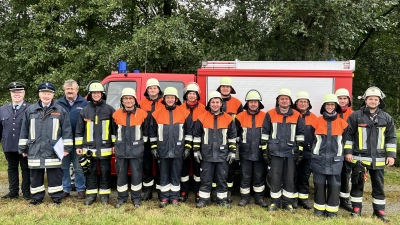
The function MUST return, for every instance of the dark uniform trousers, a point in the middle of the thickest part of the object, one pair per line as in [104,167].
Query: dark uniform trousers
[378,194]
[185,185]
[303,171]
[148,178]
[122,165]
[105,177]
[345,181]
[282,171]
[54,179]
[208,170]
[14,160]
[171,169]
[256,170]
[326,199]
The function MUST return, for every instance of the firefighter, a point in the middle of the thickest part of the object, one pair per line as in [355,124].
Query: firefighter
[232,106]
[371,139]
[343,96]
[170,137]
[327,157]
[94,132]
[10,126]
[151,101]
[192,104]
[303,169]
[45,124]
[131,130]
[249,125]
[283,129]
[214,142]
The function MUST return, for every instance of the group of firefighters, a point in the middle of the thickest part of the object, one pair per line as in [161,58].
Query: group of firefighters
[278,148]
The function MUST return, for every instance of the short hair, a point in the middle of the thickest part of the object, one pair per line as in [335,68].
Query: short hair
[69,83]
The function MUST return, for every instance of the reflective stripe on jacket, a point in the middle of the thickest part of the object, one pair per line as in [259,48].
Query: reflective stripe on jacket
[249,128]
[170,128]
[371,140]
[285,132]
[215,133]
[40,131]
[309,130]
[94,130]
[327,151]
[131,132]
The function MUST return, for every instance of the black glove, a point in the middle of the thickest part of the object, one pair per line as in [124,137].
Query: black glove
[186,153]
[154,153]
[299,157]
[358,173]
[267,157]
[197,156]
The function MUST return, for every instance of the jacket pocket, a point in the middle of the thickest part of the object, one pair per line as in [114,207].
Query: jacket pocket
[317,163]
[273,146]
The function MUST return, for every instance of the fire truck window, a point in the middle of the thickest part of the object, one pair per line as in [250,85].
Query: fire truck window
[176,84]
[114,89]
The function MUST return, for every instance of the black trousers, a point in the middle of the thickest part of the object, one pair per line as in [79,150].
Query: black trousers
[92,183]
[252,170]
[303,172]
[326,192]
[185,184]
[54,180]
[148,178]
[282,172]
[345,181]
[209,170]
[122,165]
[378,193]
[171,169]
[14,160]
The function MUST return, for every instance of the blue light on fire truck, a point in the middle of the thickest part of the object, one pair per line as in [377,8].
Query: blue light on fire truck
[122,68]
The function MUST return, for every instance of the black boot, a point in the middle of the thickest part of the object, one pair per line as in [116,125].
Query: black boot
[346,204]
[184,196]
[104,199]
[289,208]
[261,202]
[294,204]
[356,212]
[380,214]
[147,194]
[201,204]
[163,203]
[245,200]
[90,199]
[229,197]
[225,204]
[304,203]
[10,195]
[319,213]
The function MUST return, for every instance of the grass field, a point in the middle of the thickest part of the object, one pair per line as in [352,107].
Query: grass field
[72,210]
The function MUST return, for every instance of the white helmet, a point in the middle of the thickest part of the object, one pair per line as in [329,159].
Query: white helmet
[172,91]
[211,95]
[96,86]
[153,82]
[374,91]
[227,81]
[287,92]
[192,87]
[253,95]
[330,98]
[343,92]
[129,92]
[303,95]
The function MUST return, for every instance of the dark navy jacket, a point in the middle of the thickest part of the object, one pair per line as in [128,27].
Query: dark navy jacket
[10,126]
[73,110]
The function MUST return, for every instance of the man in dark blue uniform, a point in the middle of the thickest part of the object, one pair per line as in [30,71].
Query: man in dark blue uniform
[11,119]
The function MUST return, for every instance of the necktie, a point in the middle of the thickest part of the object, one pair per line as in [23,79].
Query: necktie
[15,109]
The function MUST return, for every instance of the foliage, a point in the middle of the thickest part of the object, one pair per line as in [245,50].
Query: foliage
[53,40]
